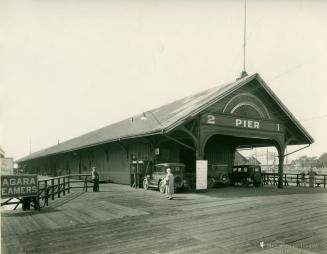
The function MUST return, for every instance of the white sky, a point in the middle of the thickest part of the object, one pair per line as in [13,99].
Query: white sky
[69,67]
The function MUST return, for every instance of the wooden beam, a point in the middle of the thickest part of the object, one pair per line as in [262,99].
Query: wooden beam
[179,142]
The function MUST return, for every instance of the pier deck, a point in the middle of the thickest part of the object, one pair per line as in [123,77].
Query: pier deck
[119,219]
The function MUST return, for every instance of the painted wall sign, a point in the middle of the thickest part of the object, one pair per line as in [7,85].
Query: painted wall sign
[201,174]
[241,122]
[18,186]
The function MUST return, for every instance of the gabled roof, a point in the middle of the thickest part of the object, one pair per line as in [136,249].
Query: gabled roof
[240,159]
[159,120]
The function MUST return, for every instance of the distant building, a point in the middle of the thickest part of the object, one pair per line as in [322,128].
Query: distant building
[242,160]
[6,164]
[2,153]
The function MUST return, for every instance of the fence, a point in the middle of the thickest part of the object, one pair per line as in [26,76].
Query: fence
[293,179]
[57,186]
[51,188]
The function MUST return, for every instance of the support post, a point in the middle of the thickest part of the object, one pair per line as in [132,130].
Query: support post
[198,155]
[64,186]
[137,175]
[280,169]
[324,181]
[68,184]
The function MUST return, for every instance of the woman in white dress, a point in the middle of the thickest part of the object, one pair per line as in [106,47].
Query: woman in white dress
[169,184]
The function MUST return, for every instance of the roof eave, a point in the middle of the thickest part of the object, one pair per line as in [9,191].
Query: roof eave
[151,133]
[310,139]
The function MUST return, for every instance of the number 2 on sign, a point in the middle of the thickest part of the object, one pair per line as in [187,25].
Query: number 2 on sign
[211,119]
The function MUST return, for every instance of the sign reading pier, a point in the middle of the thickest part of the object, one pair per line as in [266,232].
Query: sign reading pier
[242,123]
[18,186]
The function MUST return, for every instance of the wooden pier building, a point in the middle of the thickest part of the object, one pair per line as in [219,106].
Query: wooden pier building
[209,125]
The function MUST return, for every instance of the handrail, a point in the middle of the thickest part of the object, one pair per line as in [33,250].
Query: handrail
[317,180]
[55,186]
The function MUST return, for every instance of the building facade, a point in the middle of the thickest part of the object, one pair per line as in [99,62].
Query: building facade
[210,125]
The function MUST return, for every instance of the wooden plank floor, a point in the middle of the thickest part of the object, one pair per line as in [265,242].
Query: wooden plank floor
[119,219]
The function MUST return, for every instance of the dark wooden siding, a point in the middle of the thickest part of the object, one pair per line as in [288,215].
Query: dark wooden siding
[141,150]
[118,165]
[218,151]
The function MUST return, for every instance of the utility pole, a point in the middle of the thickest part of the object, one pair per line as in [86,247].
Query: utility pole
[30,145]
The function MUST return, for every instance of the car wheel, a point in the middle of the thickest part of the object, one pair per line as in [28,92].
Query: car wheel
[145,184]
[161,187]
[211,183]
[244,182]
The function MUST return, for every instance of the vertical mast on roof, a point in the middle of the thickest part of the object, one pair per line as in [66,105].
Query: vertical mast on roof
[243,74]
[244,43]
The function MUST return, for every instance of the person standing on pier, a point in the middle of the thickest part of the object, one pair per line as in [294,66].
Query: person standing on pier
[312,174]
[95,179]
[303,180]
[169,184]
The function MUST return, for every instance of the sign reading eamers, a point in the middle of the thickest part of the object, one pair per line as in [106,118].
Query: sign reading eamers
[18,186]
[241,122]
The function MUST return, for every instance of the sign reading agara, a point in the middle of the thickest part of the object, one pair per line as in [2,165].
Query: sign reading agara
[18,186]
[241,123]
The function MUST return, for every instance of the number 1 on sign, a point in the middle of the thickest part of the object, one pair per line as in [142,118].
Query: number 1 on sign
[211,119]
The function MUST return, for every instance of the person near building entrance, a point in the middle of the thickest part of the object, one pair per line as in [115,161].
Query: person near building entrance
[169,184]
[95,179]
[303,180]
[312,175]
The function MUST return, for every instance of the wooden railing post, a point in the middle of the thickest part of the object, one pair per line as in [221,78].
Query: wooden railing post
[46,192]
[68,184]
[37,198]
[285,180]
[52,189]
[64,185]
[324,181]
[58,188]
[85,183]
[48,187]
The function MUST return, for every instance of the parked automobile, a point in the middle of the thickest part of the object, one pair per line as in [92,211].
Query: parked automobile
[218,175]
[245,175]
[157,176]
